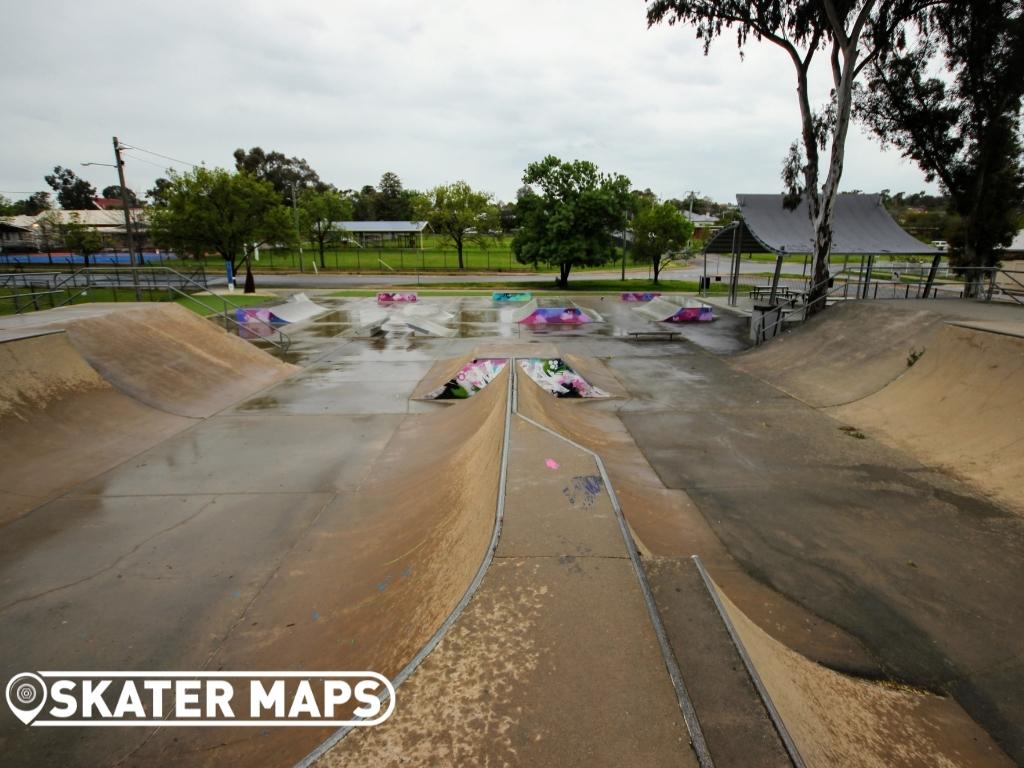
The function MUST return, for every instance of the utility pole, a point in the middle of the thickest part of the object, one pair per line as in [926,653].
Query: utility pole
[119,162]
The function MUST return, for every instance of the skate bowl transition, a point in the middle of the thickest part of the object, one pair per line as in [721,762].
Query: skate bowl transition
[492,524]
[947,392]
[116,380]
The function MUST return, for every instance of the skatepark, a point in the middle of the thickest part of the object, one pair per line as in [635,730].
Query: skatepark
[518,555]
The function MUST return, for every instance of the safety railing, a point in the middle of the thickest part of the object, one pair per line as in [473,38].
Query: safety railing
[57,289]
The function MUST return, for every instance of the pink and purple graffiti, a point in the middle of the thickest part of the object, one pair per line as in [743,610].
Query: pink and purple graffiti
[388,297]
[639,296]
[701,314]
[556,316]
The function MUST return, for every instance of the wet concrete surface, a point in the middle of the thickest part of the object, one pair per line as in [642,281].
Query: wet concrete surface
[919,567]
[151,564]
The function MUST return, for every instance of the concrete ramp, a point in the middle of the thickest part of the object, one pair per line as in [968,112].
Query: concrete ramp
[849,352]
[676,310]
[959,406]
[296,309]
[62,422]
[833,719]
[169,358]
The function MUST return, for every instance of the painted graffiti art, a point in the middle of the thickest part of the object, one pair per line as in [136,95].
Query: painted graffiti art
[388,297]
[470,379]
[502,296]
[556,315]
[698,314]
[639,296]
[559,379]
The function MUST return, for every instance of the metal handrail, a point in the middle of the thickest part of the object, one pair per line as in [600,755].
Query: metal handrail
[61,280]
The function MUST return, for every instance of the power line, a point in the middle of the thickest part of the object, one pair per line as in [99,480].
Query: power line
[157,154]
[144,160]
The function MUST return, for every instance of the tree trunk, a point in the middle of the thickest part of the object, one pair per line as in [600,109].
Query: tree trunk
[563,275]
[458,247]
[250,283]
[656,264]
[322,264]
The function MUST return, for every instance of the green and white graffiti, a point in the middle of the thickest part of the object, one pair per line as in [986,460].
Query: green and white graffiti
[558,378]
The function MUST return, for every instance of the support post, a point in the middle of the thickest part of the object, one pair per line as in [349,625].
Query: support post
[930,283]
[779,258]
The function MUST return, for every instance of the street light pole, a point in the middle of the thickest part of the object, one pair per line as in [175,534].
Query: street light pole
[119,162]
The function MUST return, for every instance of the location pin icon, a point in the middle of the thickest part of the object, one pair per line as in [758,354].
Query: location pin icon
[26,696]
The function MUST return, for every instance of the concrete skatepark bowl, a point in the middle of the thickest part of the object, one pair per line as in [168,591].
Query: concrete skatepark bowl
[519,563]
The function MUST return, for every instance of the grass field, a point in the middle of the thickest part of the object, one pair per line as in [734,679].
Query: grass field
[577,286]
[210,305]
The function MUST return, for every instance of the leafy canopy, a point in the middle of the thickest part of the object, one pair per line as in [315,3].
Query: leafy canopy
[659,229]
[962,129]
[459,213]
[567,214]
[73,193]
[215,210]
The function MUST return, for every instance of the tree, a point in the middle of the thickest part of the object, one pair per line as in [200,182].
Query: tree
[73,193]
[49,231]
[570,222]
[32,205]
[157,195]
[853,33]
[230,214]
[281,171]
[81,238]
[963,130]
[658,230]
[114,191]
[393,203]
[365,204]
[460,214]
[318,212]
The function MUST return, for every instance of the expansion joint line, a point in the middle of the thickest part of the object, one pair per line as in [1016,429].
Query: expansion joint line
[431,644]
[686,707]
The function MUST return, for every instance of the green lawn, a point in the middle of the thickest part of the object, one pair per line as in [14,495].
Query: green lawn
[575,286]
[213,303]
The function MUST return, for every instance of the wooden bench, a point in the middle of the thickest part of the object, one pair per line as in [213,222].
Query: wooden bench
[651,335]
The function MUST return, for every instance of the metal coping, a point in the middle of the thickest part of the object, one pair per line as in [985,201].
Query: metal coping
[689,713]
[755,678]
[432,643]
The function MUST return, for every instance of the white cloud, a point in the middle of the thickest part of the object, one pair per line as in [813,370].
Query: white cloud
[433,91]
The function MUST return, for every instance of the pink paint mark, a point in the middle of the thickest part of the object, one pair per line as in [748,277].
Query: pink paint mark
[551,464]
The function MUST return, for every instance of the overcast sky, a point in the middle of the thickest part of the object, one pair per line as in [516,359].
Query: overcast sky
[436,92]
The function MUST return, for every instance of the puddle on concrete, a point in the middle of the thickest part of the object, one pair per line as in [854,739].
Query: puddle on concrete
[325,330]
[337,316]
[479,316]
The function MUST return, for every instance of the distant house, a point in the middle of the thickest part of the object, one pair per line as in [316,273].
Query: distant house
[15,238]
[1015,250]
[369,233]
[701,220]
[23,233]
[108,203]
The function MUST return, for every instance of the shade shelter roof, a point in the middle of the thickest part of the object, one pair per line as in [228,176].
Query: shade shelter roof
[861,226]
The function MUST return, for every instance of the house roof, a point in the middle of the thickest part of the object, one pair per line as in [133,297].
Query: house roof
[381,227]
[700,218]
[861,226]
[1017,246]
[105,203]
[92,217]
